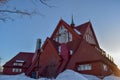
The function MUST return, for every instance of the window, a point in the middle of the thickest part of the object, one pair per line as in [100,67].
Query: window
[70,36]
[59,49]
[83,67]
[15,64]
[63,35]
[105,68]
[18,64]
[90,37]
[71,52]
[16,70]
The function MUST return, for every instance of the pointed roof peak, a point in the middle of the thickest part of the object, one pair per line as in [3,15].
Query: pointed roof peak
[72,22]
[60,18]
[89,22]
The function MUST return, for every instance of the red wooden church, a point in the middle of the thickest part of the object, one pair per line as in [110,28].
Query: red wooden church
[69,47]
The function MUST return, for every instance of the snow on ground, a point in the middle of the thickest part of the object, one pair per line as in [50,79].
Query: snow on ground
[70,75]
[112,77]
[66,75]
[91,77]
[15,77]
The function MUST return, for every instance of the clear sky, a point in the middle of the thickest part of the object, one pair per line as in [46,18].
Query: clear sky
[20,35]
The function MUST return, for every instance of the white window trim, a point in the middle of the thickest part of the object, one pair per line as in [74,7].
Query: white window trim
[83,67]
[63,35]
[17,64]
[17,70]
[105,68]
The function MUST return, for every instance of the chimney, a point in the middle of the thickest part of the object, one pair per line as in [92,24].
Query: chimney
[38,44]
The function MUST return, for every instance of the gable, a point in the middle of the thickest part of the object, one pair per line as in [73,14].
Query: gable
[89,36]
[23,56]
[88,33]
[49,52]
[86,50]
[64,33]
[82,28]
[84,53]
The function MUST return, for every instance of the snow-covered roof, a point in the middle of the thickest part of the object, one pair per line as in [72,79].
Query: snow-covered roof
[77,31]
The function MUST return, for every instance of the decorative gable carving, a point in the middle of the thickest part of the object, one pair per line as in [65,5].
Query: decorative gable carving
[89,36]
[63,35]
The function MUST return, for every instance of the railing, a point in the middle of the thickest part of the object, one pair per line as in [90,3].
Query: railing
[103,53]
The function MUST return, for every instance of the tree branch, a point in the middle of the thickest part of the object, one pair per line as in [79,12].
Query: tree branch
[16,12]
[4,14]
[44,2]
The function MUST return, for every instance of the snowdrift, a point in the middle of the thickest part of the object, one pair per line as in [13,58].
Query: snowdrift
[70,75]
[112,77]
[66,75]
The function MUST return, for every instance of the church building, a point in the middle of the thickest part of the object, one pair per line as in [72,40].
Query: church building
[69,47]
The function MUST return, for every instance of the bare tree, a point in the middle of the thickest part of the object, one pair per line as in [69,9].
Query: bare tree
[5,12]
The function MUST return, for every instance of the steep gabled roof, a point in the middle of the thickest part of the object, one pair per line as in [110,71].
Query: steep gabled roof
[76,31]
[24,56]
[83,29]
[85,53]
[68,27]
[52,44]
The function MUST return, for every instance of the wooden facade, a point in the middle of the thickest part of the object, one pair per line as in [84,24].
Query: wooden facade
[69,47]
[18,64]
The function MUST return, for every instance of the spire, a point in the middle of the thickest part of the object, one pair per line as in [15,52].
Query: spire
[72,22]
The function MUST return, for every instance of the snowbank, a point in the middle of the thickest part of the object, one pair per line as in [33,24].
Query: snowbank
[15,77]
[70,75]
[66,75]
[91,77]
[112,77]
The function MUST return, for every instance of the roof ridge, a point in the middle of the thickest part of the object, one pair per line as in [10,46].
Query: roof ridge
[88,22]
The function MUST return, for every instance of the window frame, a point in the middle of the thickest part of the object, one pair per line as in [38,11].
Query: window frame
[17,70]
[84,67]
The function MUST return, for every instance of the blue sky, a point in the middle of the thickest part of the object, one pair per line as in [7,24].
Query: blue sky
[20,35]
